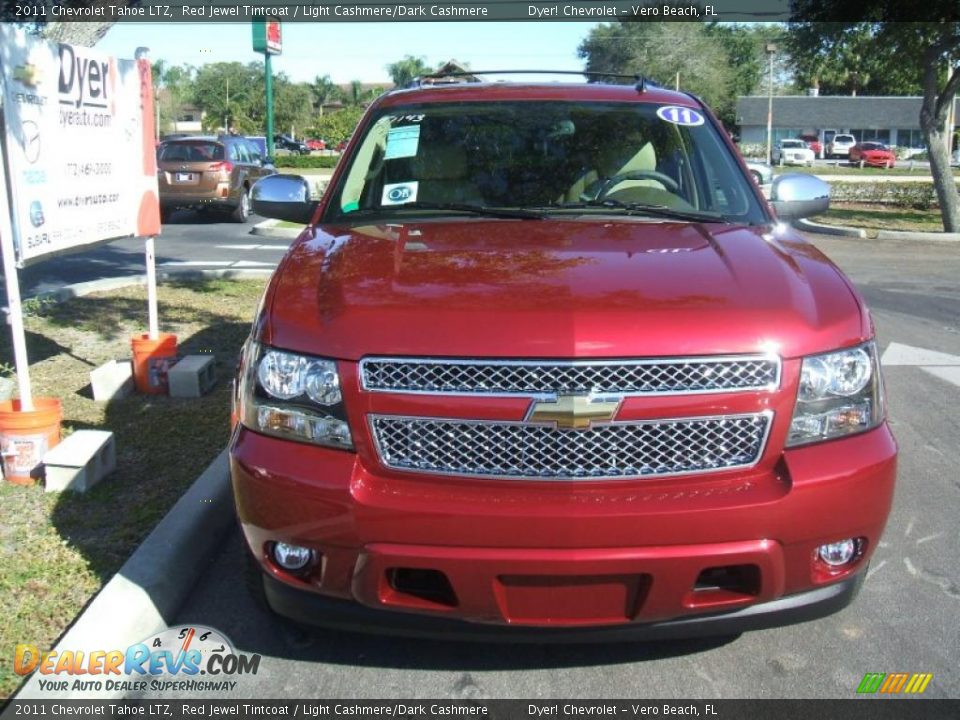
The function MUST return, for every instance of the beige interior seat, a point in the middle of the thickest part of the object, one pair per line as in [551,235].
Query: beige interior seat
[443,175]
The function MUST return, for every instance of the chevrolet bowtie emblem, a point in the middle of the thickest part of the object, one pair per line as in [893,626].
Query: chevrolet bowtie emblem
[574,412]
[27,74]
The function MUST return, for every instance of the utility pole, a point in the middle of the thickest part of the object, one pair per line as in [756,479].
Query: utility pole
[267,40]
[771,49]
[226,110]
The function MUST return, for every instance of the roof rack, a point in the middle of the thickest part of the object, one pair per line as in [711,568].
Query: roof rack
[641,82]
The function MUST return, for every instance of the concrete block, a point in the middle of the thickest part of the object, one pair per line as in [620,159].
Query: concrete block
[192,376]
[112,380]
[80,461]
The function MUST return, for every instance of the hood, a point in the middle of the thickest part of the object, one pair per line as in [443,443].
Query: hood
[558,288]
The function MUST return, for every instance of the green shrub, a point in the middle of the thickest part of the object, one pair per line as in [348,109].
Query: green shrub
[752,150]
[306,161]
[918,195]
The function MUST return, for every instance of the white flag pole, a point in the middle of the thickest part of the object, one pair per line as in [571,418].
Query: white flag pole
[143,53]
[14,308]
[152,289]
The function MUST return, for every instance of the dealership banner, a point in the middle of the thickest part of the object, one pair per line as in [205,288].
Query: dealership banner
[79,145]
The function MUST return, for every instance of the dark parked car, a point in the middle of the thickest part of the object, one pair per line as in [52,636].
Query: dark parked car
[209,172]
[285,142]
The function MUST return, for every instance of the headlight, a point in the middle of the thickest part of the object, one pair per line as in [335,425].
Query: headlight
[841,393]
[293,396]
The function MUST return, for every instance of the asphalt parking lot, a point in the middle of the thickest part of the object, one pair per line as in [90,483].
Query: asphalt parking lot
[903,621]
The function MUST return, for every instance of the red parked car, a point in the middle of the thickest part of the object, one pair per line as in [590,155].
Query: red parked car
[580,384]
[873,154]
[316,144]
[813,142]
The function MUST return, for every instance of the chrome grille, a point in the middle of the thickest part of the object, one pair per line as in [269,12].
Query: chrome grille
[636,449]
[535,377]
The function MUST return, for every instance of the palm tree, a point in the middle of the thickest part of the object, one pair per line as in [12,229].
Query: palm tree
[356,92]
[403,71]
[324,92]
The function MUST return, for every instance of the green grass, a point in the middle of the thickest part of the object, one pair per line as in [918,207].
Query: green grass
[902,168]
[879,217]
[57,550]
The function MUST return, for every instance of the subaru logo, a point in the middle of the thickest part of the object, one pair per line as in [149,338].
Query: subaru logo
[399,194]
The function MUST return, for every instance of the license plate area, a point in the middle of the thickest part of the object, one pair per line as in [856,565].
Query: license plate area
[572,600]
[185,177]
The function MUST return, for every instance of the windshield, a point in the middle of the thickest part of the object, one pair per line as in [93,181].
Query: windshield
[794,144]
[548,157]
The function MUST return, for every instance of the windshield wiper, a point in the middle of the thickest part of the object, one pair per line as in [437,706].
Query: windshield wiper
[644,209]
[485,210]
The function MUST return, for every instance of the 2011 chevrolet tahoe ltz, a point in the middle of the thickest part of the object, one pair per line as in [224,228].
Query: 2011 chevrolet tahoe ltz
[545,364]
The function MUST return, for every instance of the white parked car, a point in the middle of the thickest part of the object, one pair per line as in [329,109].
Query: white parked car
[760,171]
[840,145]
[792,151]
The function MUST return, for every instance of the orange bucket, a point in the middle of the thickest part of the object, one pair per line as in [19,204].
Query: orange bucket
[25,437]
[151,361]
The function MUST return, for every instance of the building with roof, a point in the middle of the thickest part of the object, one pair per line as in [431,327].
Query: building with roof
[891,120]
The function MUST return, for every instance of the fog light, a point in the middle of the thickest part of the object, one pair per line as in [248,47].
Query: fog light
[292,557]
[838,553]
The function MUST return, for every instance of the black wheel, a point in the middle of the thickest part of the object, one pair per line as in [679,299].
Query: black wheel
[165,214]
[756,177]
[241,213]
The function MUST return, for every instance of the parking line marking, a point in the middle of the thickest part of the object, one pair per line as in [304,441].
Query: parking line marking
[196,263]
[252,247]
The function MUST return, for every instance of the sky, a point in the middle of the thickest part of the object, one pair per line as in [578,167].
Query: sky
[359,51]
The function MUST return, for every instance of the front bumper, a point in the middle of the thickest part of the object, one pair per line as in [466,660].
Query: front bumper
[313,609]
[579,560]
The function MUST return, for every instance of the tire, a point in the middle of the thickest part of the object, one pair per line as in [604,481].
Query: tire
[756,177]
[241,213]
[165,214]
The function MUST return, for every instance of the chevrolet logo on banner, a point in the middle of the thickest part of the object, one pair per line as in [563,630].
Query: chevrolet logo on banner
[574,412]
[28,75]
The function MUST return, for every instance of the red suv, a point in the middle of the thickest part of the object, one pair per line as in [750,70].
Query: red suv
[544,363]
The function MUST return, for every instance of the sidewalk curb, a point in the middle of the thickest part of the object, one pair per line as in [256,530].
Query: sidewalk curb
[76,290]
[907,235]
[819,229]
[145,594]
[810,226]
[268,229]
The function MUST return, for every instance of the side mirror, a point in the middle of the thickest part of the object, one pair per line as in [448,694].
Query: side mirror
[796,196]
[283,197]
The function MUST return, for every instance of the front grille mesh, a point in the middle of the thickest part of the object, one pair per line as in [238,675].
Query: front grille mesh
[521,377]
[618,450]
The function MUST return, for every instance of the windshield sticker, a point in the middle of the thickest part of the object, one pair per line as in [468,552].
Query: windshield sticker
[399,193]
[402,142]
[394,119]
[680,115]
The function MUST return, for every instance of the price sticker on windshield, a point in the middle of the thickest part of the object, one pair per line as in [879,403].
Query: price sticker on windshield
[680,115]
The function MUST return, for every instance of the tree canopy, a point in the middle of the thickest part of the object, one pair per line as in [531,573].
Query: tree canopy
[715,62]
[405,70]
[920,55]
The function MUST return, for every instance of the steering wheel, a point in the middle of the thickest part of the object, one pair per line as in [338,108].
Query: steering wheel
[668,182]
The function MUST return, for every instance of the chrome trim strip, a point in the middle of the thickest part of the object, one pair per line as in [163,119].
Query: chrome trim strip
[768,414]
[769,387]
